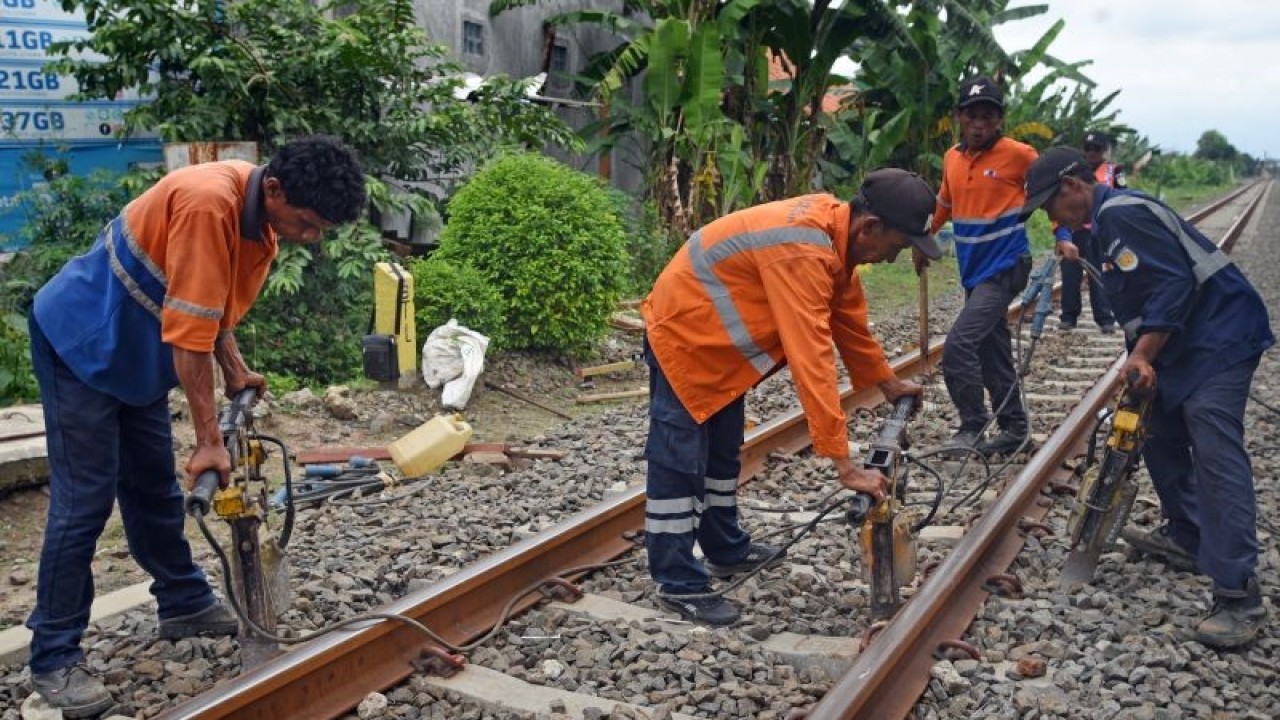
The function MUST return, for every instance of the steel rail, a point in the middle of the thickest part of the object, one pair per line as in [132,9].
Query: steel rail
[327,677]
[887,678]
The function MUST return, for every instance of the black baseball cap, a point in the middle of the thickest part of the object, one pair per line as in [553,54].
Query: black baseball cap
[1097,137]
[1046,173]
[980,89]
[904,202]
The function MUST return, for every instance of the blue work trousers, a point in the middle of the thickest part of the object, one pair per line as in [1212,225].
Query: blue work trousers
[1073,277]
[691,488]
[978,359]
[102,451]
[1196,456]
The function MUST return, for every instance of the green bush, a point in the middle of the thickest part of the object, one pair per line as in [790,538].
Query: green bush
[548,240]
[17,381]
[443,290]
[313,334]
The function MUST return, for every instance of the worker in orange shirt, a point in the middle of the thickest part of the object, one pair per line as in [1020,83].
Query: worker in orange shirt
[758,288]
[152,305]
[1070,245]
[982,178]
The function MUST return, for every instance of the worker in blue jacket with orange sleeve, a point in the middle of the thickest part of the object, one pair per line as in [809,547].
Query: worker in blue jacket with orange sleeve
[1195,329]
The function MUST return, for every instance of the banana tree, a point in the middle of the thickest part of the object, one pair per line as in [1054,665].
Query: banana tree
[676,51]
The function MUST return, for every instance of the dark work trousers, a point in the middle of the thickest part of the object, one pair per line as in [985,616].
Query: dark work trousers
[691,488]
[1197,460]
[1072,278]
[102,451]
[979,357]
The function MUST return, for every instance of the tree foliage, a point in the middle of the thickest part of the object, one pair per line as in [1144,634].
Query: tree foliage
[723,132]
[1213,145]
[270,70]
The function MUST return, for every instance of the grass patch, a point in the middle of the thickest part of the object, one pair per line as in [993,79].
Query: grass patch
[1184,197]
[893,286]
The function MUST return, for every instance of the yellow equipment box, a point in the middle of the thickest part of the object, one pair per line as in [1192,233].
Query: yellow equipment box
[393,315]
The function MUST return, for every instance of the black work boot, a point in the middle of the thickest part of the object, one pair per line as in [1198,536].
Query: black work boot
[1009,441]
[1236,618]
[72,690]
[1159,543]
[758,556]
[708,610]
[961,444]
[217,619]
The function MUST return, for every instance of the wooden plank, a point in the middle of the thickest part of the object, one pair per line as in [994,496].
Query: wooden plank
[587,372]
[625,322]
[622,395]
[537,453]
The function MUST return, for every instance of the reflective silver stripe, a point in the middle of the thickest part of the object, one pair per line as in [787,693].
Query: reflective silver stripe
[676,527]
[719,500]
[199,311]
[999,234]
[986,220]
[128,282]
[141,255]
[1131,328]
[724,485]
[1204,263]
[668,507]
[704,262]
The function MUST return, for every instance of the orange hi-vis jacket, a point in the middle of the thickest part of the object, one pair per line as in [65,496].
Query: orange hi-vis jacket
[761,286]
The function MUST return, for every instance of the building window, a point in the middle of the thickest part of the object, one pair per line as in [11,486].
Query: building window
[559,67]
[472,38]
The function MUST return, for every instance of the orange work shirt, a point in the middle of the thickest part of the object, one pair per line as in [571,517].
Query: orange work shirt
[761,286]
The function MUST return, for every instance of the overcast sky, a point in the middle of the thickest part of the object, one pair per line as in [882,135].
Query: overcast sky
[1182,66]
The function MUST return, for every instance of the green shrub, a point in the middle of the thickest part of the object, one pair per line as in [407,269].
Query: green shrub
[443,290]
[313,334]
[17,381]
[548,240]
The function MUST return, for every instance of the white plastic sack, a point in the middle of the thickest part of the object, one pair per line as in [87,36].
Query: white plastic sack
[453,355]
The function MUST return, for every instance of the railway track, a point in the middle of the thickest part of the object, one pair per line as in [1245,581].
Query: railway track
[570,653]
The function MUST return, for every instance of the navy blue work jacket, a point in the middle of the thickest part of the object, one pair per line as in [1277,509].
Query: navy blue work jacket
[1162,274]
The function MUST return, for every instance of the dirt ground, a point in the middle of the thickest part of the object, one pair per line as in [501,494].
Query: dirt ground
[381,416]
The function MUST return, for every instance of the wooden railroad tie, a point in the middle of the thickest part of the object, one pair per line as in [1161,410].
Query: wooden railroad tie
[621,395]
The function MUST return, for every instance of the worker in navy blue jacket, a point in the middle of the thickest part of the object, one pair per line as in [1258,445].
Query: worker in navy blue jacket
[1195,329]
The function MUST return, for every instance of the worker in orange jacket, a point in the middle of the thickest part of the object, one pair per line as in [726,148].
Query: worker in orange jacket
[764,286]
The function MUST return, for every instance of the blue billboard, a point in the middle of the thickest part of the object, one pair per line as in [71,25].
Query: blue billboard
[36,117]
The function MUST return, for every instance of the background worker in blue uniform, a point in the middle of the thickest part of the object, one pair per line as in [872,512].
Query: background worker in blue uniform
[1195,329]
[1096,144]
[152,304]
[981,194]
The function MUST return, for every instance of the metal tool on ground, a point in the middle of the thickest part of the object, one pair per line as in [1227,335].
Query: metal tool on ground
[888,543]
[922,295]
[521,398]
[1039,293]
[1107,488]
[258,582]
